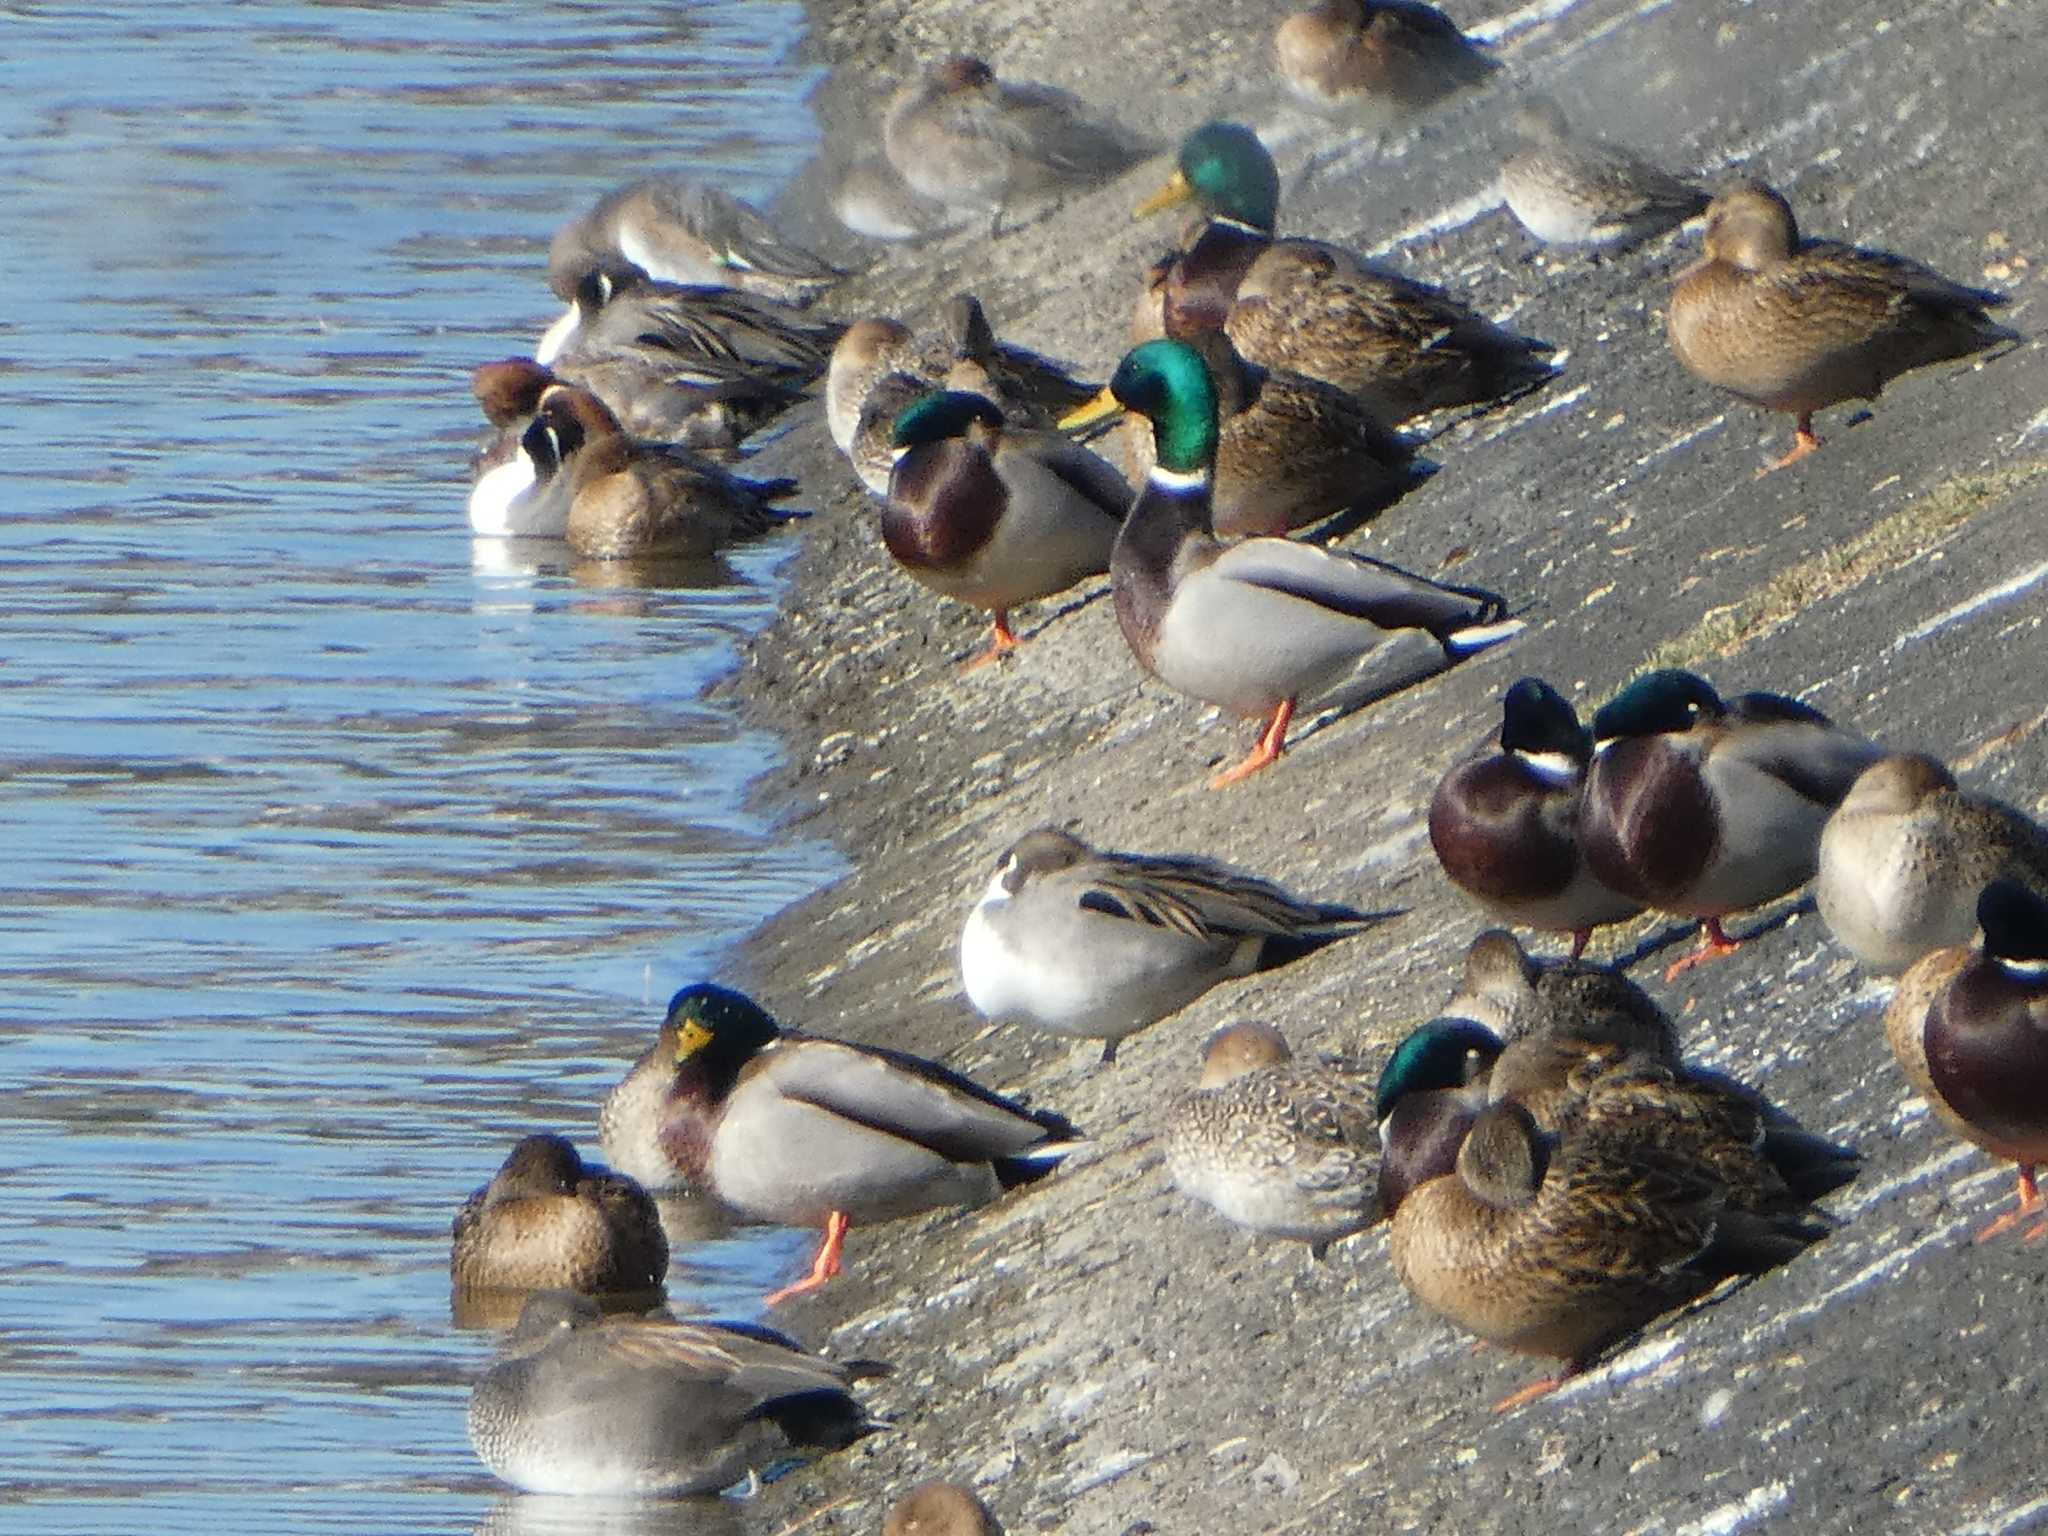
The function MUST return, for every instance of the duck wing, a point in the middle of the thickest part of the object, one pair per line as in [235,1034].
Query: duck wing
[1357,585]
[908,1097]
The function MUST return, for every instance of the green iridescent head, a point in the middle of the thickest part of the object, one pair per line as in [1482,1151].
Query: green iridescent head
[1168,383]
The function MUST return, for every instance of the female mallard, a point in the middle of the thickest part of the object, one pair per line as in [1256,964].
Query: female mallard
[1799,325]
[804,1131]
[1700,807]
[1571,191]
[681,231]
[1388,57]
[963,138]
[1904,857]
[646,1408]
[1252,627]
[1282,1147]
[1558,1241]
[614,497]
[994,517]
[1505,824]
[549,1219]
[1302,306]
[1292,450]
[1515,996]
[1969,1026]
[1098,945]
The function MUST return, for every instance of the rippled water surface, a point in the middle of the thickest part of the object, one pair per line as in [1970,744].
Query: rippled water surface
[340,852]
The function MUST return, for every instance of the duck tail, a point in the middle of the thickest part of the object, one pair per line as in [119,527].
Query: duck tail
[1029,1166]
[1475,638]
[1810,1165]
[1331,923]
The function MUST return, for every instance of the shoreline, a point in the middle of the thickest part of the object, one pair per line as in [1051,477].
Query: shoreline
[1096,1354]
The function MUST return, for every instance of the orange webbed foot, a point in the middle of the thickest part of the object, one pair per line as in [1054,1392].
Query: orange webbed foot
[1530,1393]
[1803,443]
[1267,751]
[1714,943]
[823,1267]
[1001,641]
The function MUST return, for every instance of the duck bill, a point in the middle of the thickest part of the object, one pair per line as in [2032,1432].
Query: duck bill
[1102,408]
[1172,195]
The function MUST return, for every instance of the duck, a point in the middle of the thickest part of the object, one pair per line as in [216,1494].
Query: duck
[865,389]
[1097,945]
[1509,992]
[1400,346]
[1504,824]
[1700,807]
[615,497]
[1904,856]
[1797,325]
[969,141]
[872,201]
[1281,1147]
[1292,450]
[1561,1243]
[548,1219]
[1387,57]
[583,1405]
[678,230]
[1968,1026]
[1571,191]
[802,1130]
[992,516]
[940,1508]
[1255,626]
[617,308]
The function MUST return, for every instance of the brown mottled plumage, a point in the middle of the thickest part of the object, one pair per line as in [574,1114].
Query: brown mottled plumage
[1387,56]
[549,1219]
[1798,325]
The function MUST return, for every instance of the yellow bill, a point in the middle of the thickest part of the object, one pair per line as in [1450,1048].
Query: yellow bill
[1101,408]
[1172,195]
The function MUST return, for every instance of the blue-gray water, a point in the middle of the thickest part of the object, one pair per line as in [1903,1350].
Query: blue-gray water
[339,853]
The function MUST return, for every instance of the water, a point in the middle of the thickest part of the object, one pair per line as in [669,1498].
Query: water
[340,853]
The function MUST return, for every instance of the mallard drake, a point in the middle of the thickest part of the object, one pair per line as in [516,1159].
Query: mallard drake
[1292,450]
[1699,807]
[549,1219]
[1098,945]
[872,201]
[1799,325]
[1905,855]
[1505,824]
[1969,1026]
[617,308]
[1514,995]
[1400,346]
[681,231]
[1282,1147]
[940,1509]
[1567,190]
[994,517]
[804,1131]
[1647,1192]
[643,1408]
[1253,627]
[615,497]
[1388,57]
[963,138]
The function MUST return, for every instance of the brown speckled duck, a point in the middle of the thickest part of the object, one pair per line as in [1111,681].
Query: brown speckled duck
[1798,325]
[940,1508]
[1643,1191]
[1969,1026]
[1505,824]
[1302,306]
[548,1219]
[1384,57]
[1904,857]
[1699,806]
[1284,1148]
[1566,190]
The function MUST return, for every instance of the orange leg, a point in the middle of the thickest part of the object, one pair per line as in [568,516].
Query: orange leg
[1581,937]
[1534,1390]
[1803,443]
[1267,751]
[1001,642]
[2030,1205]
[1713,945]
[824,1267]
